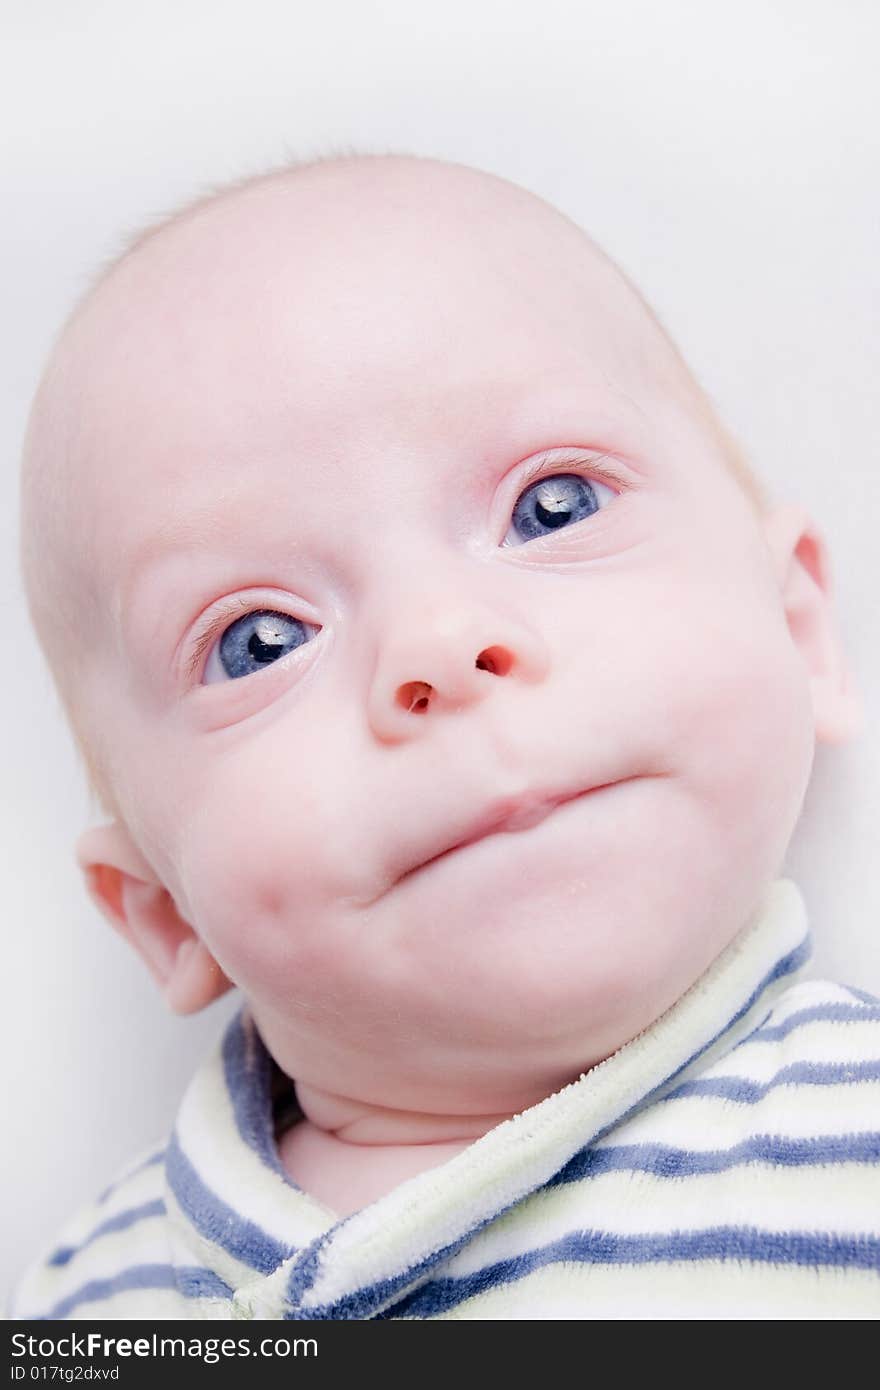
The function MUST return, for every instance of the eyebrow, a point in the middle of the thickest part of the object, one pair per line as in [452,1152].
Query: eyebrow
[201,527]
[179,533]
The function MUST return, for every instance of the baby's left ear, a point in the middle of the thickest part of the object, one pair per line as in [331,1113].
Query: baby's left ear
[804,573]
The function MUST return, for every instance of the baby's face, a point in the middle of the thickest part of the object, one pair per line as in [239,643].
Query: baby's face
[407,523]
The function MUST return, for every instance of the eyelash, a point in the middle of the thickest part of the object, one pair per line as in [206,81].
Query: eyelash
[547,463]
[552,462]
[231,609]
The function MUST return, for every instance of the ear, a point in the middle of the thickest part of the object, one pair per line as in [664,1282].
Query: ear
[803,571]
[127,892]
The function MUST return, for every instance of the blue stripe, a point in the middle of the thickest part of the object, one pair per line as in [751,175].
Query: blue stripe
[862,994]
[817,1013]
[217,1221]
[747,1092]
[127,1177]
[120,1222]
[663,1161]
[802,1249]
[247,1068]
[190,1282]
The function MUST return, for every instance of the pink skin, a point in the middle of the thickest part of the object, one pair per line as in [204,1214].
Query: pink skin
[335,406]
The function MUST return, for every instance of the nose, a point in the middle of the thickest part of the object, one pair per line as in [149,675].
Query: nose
[441,659]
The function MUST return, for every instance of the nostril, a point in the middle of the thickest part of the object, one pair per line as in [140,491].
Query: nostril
[413,696]
[496,660]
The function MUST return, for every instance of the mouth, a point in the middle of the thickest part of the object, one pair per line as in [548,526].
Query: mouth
[508,816]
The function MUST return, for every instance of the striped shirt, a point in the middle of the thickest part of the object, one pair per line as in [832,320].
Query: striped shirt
[725,1163]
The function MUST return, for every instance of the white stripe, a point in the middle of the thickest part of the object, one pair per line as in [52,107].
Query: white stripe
[142,1186]
[131,1173]
[760,1063]
[808,994]
[821,1041]
[702,1124]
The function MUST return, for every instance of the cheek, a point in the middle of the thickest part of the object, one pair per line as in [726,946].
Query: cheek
[729,704]
[689,668]
[254,861]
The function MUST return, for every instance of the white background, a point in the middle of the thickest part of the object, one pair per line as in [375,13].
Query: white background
[726,154]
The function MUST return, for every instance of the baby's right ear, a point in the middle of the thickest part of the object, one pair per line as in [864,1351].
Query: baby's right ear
[124,888]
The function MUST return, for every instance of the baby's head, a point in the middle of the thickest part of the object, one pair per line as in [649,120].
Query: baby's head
[367,507]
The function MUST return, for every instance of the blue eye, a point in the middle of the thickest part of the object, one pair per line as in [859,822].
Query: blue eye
[254,641]
[551,503]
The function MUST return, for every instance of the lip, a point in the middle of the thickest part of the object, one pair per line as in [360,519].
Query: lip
[506,815]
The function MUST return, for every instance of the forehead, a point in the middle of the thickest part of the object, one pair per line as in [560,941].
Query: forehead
[295,327]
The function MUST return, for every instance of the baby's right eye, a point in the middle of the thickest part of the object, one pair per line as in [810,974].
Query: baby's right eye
[253,641]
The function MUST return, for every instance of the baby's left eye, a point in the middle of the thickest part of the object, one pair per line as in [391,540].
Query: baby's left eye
[553,502]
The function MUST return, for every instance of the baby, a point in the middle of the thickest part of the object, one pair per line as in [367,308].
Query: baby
[452,689]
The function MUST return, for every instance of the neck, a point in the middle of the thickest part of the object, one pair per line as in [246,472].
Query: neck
[357,1122]
[347,1153]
